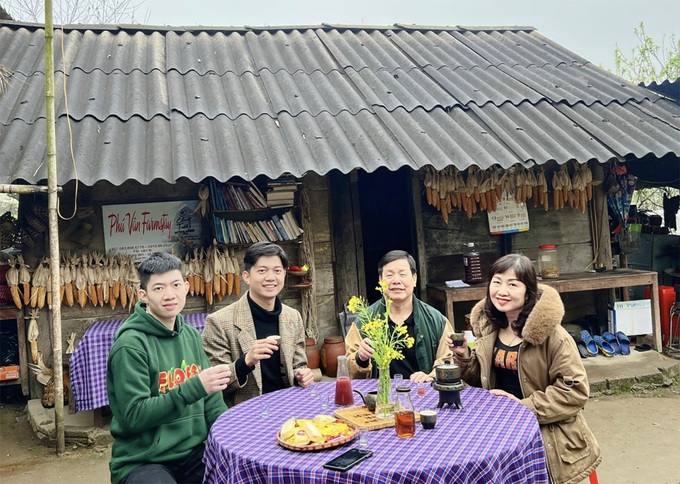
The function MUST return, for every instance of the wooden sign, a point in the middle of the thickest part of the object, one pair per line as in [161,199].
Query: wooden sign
[142,228]
[363,417]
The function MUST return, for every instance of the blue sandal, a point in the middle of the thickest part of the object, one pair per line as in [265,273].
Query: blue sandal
[624,342]
[611,339]
[603,346]
[588,341]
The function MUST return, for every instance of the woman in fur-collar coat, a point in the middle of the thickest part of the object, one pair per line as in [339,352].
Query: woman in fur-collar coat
[523,352]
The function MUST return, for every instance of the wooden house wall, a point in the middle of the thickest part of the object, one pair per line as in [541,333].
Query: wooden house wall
[444,245]
[90,231]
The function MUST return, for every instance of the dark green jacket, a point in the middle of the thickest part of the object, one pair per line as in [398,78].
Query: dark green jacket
[429,325]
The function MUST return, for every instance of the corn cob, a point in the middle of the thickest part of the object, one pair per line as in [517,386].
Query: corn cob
[13,282]
[24,279]
[237,274]
[33,334]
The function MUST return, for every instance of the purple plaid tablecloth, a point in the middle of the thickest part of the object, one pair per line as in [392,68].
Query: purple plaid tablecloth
[492,440]
[87,364]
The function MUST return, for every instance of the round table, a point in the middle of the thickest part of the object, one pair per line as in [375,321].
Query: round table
[491,440]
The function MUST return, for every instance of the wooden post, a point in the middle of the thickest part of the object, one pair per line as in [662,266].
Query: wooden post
[50,121]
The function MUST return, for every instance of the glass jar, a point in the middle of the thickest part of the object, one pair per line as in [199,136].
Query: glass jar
[473,265]
[547,261]
[404,414]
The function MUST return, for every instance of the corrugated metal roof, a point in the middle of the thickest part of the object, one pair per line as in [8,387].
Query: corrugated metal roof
[158,102]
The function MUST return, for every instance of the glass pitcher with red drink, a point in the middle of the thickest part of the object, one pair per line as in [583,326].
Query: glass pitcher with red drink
[343,385]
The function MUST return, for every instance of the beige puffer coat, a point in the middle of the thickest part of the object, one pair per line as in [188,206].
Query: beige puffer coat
[553,380]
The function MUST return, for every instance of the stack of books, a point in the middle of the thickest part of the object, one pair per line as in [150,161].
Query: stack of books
[278,228]
[281,192]
[236,196]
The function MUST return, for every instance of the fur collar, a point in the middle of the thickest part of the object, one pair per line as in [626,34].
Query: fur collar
[542,321]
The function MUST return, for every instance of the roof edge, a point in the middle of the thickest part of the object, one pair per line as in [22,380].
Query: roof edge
[253,28]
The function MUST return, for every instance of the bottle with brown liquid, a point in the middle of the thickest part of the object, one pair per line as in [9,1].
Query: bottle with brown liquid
[404,414]
[473,265]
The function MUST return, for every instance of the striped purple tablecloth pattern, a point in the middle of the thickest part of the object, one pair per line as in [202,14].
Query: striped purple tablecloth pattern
[492,440]
[87,364]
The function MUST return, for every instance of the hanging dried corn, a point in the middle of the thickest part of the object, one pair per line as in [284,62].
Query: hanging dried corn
[542,186]
[67,272]
[229,270]
[13,282]
[33,334]
[237,273]
[80,281]
[40,281]
[24,279]
[71,343]
[122,280]
[208,277]
[104,280]
[114,280]
[428,183]
[97,275]
[186,269]
[203,195]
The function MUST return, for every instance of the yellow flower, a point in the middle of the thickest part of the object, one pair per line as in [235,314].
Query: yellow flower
[386,346]
[354,304]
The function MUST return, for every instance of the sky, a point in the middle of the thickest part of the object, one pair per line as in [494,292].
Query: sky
[590,28]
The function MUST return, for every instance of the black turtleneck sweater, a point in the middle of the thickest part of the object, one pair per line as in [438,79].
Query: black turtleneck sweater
[266,324]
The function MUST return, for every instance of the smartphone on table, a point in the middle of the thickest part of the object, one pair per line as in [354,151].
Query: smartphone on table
[348,459]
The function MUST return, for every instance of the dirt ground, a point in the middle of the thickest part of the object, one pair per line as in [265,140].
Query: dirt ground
[639,434]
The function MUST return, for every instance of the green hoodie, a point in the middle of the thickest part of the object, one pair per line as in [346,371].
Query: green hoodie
[161,412]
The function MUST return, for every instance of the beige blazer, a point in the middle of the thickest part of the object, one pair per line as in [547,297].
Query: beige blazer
[230,333]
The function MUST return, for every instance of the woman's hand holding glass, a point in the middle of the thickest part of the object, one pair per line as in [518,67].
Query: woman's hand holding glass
[461,351]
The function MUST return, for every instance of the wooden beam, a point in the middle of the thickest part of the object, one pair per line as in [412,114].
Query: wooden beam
[25,189]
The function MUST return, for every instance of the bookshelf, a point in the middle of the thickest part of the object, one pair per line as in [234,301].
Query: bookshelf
[241,215]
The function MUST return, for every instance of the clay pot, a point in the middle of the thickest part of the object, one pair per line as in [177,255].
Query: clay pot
[312,352]
[333,346]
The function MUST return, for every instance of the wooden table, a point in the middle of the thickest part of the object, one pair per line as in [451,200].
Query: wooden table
[581,281]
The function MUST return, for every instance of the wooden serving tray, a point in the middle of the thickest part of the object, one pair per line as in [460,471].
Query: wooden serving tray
[363,417]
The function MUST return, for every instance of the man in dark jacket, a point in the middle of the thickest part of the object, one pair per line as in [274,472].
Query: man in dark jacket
[428,327]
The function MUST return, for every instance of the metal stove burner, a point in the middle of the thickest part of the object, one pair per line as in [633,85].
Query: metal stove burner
[449,394]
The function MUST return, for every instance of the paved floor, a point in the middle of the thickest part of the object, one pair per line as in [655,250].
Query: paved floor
[604,374]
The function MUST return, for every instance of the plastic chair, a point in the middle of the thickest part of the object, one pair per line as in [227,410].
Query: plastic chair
[346,319]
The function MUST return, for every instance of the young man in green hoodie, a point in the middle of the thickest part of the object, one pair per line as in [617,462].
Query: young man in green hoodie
[163,392]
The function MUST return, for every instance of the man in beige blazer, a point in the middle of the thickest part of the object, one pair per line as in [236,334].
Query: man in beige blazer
[241,334]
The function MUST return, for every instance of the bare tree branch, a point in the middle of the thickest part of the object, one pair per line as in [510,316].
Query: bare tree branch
[77,11]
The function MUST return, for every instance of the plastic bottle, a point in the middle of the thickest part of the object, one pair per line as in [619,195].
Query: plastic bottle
[473,265]
[343,385]
[404,414]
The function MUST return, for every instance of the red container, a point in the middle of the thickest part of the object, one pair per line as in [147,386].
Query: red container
[666,300]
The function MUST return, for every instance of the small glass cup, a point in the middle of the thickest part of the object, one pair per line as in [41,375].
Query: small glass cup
[397,381]
[363,436]
[324,399]
[421,390]
[457,338]
[264,408]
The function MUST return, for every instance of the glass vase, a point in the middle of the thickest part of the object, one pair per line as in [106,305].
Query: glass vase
[383,408]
